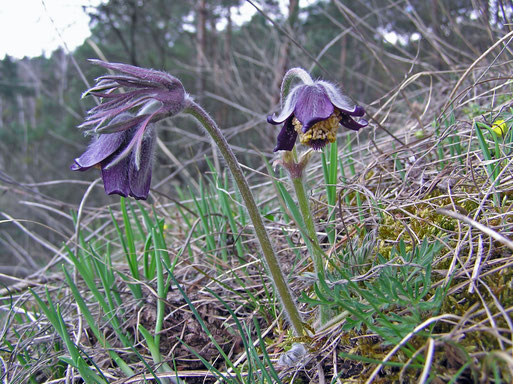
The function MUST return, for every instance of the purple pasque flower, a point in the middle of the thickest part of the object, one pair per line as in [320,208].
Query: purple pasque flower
[314,111]
[152,95]
[121,176]
[132,98]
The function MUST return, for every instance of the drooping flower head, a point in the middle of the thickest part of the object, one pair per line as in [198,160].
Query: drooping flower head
[314,111]
[121,176]
[131,99]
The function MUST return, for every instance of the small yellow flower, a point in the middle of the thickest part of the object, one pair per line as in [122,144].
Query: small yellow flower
[500,127]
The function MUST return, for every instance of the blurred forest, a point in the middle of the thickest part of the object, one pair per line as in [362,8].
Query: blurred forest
[369,47]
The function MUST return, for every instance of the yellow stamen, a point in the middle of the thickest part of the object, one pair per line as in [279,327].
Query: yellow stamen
[323,131]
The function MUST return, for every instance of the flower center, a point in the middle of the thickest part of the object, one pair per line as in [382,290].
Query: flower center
[320,133]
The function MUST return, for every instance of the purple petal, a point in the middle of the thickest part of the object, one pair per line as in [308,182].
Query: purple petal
[313,105]
[125,81]
[100,119]
[286,137]
[288,108]
[140,179]
[76,167]
[103,147]
[121,126]
[144,86]
[135,141]
[124,68]
[162,79]
[99,150]
[348,122]
[108,111]
[358,112]
[338,99]
[115,178]
[116,99]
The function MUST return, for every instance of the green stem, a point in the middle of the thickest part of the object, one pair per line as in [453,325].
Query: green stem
[315,249]
[304,207]
[278,278]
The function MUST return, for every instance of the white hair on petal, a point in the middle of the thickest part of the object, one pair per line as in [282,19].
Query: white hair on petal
[290,104]
[301,74]
[337,98]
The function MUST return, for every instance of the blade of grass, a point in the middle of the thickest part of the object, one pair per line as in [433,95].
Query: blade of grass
[54,315]
[493,171]
[131,256]
[93,325]
[330,171]
[91,284]
[205,328]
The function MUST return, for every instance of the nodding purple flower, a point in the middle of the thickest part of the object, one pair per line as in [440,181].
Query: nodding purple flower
[131,99]
[121,175]
[314,111]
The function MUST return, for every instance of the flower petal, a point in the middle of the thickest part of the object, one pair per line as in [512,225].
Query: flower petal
[101,116]
[158,78]
[288,108]
[121,125]
[140,179]
[348,122]
[115,178]
[313,105]
[143,87]
[135,141]
[358,112]
[339,100]
[286,137]
[101,148]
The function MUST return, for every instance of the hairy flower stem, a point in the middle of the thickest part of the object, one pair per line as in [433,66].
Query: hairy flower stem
[315,249]
[280,283]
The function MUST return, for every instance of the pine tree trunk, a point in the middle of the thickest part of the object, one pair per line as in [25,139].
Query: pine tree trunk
[201,21]
[228,36]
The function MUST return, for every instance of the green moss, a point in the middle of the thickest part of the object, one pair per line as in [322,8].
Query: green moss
[421,219]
